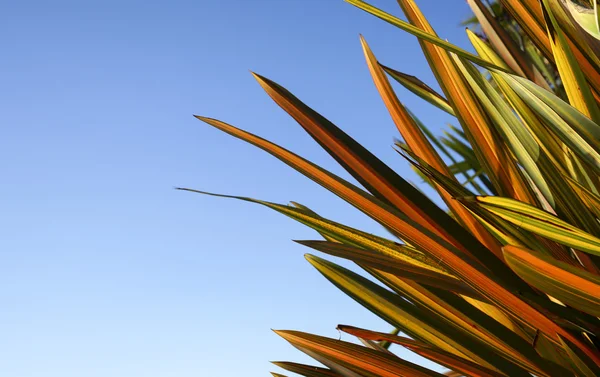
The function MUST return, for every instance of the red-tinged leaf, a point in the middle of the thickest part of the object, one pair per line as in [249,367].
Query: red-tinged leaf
[306,370]
[357,358]
[444,358]
[420,145]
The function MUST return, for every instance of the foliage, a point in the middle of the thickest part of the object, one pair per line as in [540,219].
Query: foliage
[505,280]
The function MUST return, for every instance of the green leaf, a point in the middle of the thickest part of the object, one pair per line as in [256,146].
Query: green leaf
[518,139]
[506,232]
[464,168]
[418,142]
[421,89]
[587,18]
[566,316]
[544,149]
[572,127]
[391,265]
[420,33]
[404,255]
[387,305]
[539,222]
[504,45]
[491,335]
[572,77]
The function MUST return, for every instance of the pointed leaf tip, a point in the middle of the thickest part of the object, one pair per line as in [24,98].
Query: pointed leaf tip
[310,258]
[260,78]
[204,119]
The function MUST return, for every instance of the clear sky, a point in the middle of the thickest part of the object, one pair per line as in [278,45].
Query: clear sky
[105,270]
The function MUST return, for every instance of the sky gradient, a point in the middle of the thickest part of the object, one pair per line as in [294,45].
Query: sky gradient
[105,270]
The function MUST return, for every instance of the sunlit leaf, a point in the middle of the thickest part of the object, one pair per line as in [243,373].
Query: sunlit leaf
[419,32]
[396,266]
[540,222]
[572,77]
[571,285]
[447,359]
[357,358]
[421,89]
[586,17]
[306,370]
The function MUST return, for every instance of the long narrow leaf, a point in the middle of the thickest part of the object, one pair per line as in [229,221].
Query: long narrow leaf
[574,81]
[371,172]
[568,284]
[419,143]
[306,370]
[540,222]
[420,33]
[447,359]
[418,236]
[421,89]
[394,266]
[357,358]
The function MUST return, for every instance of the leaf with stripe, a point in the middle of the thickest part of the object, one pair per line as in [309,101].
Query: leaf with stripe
[420,33]
[418,142]
[539,222]
[572,77]
[389,306]
[482,280]
[571,285]
[306,370]
[504,45]
[421,89]
[582,363]
[449,360]
[496,162]
[378,261]
[573,128]
[587,18]
[371,172]
[356,358]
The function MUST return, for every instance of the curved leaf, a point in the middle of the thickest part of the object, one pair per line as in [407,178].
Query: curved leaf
[587,18]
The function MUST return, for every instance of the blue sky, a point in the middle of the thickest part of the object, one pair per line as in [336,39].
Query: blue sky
[105,270]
